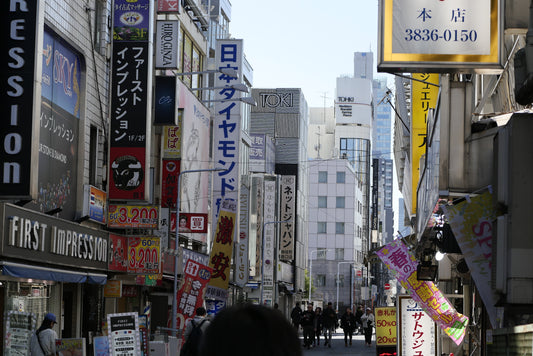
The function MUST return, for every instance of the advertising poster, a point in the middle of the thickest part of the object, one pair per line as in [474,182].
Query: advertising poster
[190,222]
[171,145]
[101,346]
[118,261]
[70,347]
[287,213]
[472,225]
[269,242]
[403,264]
[144,255]
[113,289]
[417,331]
[385,330]
[97,207]
[242,270]
[19,327]
[221,253]
[191,294]
[123,334]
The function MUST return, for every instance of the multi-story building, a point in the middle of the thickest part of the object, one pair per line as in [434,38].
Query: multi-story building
[282,114]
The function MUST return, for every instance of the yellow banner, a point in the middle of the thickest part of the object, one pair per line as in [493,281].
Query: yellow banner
[423,98]
[386,326]
[220,259]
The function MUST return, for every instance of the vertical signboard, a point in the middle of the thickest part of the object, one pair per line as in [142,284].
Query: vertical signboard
[287,213]
[144,255]
[169,182]
[269,241]
[385,330]
[423,98]
[242,243]
[171,137]
[165,106]
[417,331]
[167,39]
[191,294]
[226,125]
[123,333]
[130,110]
[220,258]
[21,63]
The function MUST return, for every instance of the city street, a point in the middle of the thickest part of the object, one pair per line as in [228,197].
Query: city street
[337,348]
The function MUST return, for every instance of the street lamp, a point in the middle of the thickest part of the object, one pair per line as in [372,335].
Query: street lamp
[311,267]
[338,266]
[174,301]
[263,252]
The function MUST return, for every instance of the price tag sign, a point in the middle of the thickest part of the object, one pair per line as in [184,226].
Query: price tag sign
[144,255]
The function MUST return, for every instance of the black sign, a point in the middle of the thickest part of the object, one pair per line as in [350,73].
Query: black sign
[19,21]
[165,101]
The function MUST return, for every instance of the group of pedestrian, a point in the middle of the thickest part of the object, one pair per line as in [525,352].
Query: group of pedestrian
[316,322]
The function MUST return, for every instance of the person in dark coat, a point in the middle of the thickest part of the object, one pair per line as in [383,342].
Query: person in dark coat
[329,318]
[319,324]
[308,325]
[296,315]
[348,326]
[358,314]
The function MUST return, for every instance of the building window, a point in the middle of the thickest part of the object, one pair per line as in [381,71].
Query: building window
[321,227]
[320,253]
[322,177]
[341,177]
[339,254]
[340,281]
[320,280]
[322,202]
[339,202]
[339,228]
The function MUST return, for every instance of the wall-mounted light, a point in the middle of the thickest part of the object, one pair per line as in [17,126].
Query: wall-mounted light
[427,268]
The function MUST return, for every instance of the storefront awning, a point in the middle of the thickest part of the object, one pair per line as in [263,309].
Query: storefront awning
[50,274]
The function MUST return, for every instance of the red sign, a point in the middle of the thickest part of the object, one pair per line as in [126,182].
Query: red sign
[387,286]
[169,183]
[119,253]
[126,175]
[168,6]
[133,216]
[191,294]
[359,273]
[190,222]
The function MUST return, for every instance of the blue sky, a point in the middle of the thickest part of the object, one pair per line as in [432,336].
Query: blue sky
[304,43]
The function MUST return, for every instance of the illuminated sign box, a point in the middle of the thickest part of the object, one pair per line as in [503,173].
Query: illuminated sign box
[440,36]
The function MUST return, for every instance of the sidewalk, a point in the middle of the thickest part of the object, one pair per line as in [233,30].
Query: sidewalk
[337,346]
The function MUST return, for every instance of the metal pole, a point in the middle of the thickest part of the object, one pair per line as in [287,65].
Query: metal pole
[175,294]
[310,272]
[263,254]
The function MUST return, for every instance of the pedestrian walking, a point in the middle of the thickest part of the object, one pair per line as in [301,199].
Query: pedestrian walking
[319,324]
[329,319]
[348,326]
[43,341]
[368,324]
[358,314]
[308,326]
[296,315]
[193,334]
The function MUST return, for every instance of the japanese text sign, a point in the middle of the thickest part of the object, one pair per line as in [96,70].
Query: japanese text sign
[131,216]
[190,222]
[144,255]
[130,99]
[123,333]
[221,253]
[169,182]
[385,326]
[472,225]
[287,213]
[226,125]
[403,264]
[423,98]
[242,244]
[191,294]
[417,331]
[269,241]
[17,335]
[118,261]
[445,35]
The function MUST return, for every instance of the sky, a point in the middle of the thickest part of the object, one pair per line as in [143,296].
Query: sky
[304,44]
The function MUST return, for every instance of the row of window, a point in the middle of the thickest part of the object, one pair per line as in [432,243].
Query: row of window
[323,177]
[322,227]
[321,253]
[320,280]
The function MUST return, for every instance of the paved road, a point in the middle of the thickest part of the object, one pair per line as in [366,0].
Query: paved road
[337,346]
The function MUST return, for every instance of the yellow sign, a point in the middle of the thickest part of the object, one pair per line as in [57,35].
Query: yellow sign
[113,289]
[220,259]
[423,98]
[386,326]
